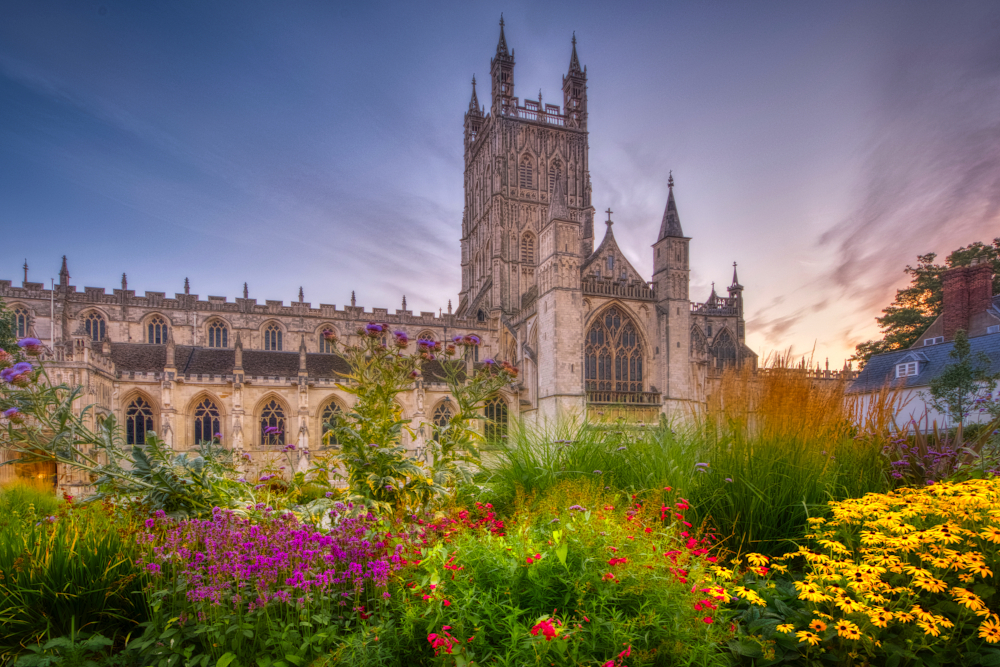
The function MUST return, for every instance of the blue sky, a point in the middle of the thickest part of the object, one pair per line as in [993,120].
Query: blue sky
[319,144]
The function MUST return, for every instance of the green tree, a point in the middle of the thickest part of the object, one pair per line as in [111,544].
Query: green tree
[956,390]
[919,303]
[8,339]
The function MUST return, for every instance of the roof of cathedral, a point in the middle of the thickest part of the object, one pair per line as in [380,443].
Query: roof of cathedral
[189,360]
[671,224]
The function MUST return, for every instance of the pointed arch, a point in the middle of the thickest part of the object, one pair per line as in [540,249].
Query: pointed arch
[724,350]
[208,417]
[528,248]
[140,416]
[22,319]
[526,172]
[698,341]
[272,334]
[556,171]
[155,328]
[272,414]
[615,351]
[497,413]
[331,407]
[217,332]
[441,415]
[324,345]
[95,323]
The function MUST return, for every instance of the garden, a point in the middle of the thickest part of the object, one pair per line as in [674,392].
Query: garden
[778,525]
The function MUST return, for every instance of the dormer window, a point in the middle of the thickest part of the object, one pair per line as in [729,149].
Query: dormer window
[907,369]
[933,341]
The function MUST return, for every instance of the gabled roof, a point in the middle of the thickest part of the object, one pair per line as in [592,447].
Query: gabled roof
[609,245]
[881,368]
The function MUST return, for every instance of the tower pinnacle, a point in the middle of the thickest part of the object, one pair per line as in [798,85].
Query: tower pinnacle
[574,60]
[25,270]
[64,273]
[502,51]
[671,223]
[474,102]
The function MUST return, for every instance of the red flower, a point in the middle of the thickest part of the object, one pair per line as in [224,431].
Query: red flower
[530,560]
[446,603]
[707,619]
[546,628]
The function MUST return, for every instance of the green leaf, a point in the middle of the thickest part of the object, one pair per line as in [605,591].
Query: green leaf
[561,552]
[225,659]
[294,659]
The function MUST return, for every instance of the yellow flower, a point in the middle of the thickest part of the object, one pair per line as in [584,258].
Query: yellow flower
[991,534]
[817,625]
[981,570]
[990,630]
[847,630]
[806,636]
[930,584]
[880,618]
[929,628]
[922,615]
[786,628]
[757,559]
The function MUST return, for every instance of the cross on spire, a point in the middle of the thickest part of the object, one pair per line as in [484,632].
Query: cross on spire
[608,222]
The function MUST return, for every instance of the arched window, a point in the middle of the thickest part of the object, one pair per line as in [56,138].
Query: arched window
[156,331]
[528,248]
[723,350]
[207,421]
[442,416]
[21,322]
[613,354]
[272,337]
[326,345]
[524,173]
[496,419]
[331,411]
[138,421]
[218,334]
[96,328]
[272,424]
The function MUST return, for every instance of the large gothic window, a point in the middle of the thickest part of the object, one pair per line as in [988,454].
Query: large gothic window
[525,173]
[442,416]
[272,337]
[496,419]
[207,421]
[156,331]
[218,334]
[331,411]
[613,354]
[96,327]
[723,350]
[325,344]
[528,248]
[138,421]
[272,424]
[21,322]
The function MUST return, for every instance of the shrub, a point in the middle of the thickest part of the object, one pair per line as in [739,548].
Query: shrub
[899,578]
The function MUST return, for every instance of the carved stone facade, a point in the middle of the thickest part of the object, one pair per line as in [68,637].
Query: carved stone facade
[591,335]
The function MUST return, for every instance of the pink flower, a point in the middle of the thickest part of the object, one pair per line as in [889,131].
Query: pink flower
[446,603]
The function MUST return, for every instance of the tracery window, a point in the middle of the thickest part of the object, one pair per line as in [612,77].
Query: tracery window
[525,173]
[331,411]
[207,421]
[724,350]
[528,248]
[218,334]
[138,421]
[613,354]
[96,327]
[496,419]
[442,416]
[156,331]
[272,337]
[272,424]
[21,322]
[325,346]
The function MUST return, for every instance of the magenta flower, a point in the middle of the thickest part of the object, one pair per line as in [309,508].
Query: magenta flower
[402,340]
[13,414]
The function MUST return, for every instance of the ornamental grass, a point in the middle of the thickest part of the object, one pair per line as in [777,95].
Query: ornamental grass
[900,578]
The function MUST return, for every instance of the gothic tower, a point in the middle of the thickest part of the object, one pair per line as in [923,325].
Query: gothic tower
[514,155]
[671,274]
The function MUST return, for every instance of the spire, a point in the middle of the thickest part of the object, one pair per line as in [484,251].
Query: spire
[736,281]
[302,296]
[671,224]
[352,299]
[25,270]
[474,102]
[574,61]
[64,273]
[404,302]
[558,210]
[124,282]
[713,297]
[238,350]
[502,51]
[187,286]
[246,291]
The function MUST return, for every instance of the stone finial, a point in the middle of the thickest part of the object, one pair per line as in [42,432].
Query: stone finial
[124,282]
[171,357]
[26,270]
[106,347]
[246,291]
[302,355]
[404,302]
[302,296]
[352,299]
[449,306]
[187,286]
[64,273]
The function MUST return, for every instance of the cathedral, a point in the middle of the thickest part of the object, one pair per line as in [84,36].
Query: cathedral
[593,337]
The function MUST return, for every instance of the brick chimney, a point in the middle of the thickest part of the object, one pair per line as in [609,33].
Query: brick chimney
[967,291]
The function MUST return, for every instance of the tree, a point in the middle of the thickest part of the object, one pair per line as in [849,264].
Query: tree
[8,338]
[956,390]
[919,303]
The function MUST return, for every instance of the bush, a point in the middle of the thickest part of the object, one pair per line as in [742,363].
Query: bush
[895,579]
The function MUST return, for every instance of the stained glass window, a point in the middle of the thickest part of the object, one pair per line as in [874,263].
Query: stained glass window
[218,334]
[496,419]
[95,326]
[442,416]
[272,337]
[207,421]
[138,421]
[157,331]
[724,350]
[21,322]
[613,354]
[272,424]
[329,416]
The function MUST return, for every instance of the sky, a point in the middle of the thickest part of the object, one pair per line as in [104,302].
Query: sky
[822,146]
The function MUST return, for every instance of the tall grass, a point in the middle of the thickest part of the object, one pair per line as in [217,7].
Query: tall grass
[768,450]
[26,498]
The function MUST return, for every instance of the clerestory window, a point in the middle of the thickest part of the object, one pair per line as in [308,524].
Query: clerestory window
[156,331]
[272,337]
[218,334]
[96,327]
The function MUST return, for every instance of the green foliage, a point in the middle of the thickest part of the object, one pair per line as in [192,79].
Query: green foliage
[22,500]
[73,570]
[967,378]
[77,650]
[919,303]
[8,339]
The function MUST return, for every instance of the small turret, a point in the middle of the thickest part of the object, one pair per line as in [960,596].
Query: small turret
[25,272]
[575,92]
[124,282]
[302,295]
[64,274]
[187,286]
[246,291]
[670,226]
[502,75]
[558,209]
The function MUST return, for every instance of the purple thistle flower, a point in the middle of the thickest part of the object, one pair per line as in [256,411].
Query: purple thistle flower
[13,414]
[32,346]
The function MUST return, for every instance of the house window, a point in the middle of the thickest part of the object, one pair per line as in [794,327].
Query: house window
[933,341]
[207,421]
[95,326]
[218,334]
[138,421]
[272,424]
[442,417]
[329,417]
[156,331]
[272,338]
[21,322]
[524,173]
[325,344]
[907,369]
[496,419]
